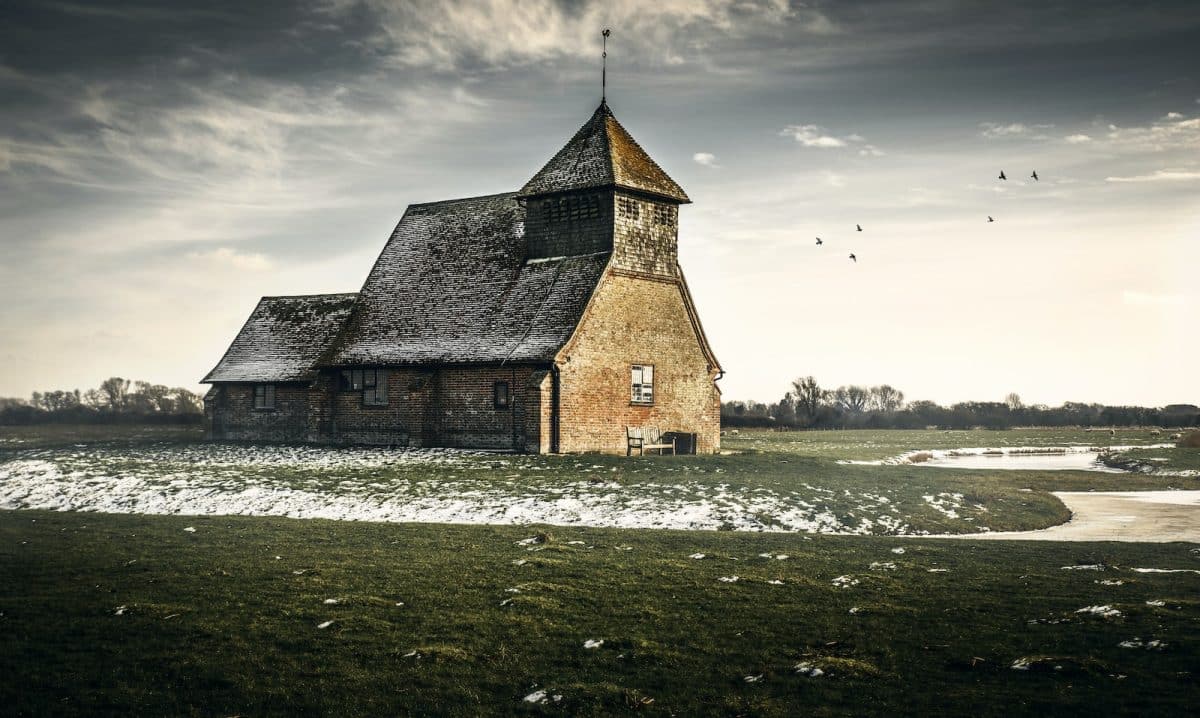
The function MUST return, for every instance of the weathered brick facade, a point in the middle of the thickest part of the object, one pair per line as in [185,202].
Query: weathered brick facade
[635,320]
[555,293]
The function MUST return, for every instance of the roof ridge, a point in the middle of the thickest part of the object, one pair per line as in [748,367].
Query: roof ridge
[308,296]
[510,193]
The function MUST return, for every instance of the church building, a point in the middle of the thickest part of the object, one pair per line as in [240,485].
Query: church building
[551,319]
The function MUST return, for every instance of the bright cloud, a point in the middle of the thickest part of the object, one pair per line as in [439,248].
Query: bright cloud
[707,159]
[226,257]
[1159,176]
[1078,139]
[993,130]
[818,137]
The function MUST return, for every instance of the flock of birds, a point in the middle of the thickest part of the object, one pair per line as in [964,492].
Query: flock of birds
[858,227]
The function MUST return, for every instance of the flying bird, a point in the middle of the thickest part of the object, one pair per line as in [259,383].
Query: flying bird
[1034,176]
[859,226]
[854,258]
[1002,175]
[990,218]
[819,242]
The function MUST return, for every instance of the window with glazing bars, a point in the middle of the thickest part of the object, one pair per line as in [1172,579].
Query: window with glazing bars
[264,396]
[642,384]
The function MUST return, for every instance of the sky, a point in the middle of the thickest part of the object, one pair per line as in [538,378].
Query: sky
[164,166]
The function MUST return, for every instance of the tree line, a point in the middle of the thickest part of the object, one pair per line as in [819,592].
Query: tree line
[116,400]
[809,406]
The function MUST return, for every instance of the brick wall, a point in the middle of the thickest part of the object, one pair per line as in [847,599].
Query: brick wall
[402,422]
[232,414]
[645,235]
[569,224]
[451,406]
[466,414]
[634,320]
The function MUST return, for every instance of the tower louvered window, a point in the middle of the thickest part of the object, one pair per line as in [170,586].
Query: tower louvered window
[664,215]
[630,209]
[571,209]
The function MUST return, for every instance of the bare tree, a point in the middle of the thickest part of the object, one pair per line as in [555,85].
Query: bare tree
[116,392]
[808,396]
[1014,402]
[886,399]
[852,399]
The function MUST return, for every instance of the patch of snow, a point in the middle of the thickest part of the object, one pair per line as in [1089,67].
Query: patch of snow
[190,529]
[728,579]
[806,668]
[945,503]
[592,643]
[1110,582]
[1105,611]
[1165,570]
[845,582]
[883,566]
[697,556]
[898,550]
[1154,645]
[1156,603]
[120,611]
[753,679]
[775,582]
[330,602]
[937,570]
[1085,567]
[326,624]
[343,484]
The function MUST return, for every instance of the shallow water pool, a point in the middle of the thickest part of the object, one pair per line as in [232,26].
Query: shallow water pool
[1073,461]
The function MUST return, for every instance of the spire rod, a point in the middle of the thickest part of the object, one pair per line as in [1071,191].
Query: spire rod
[604,67]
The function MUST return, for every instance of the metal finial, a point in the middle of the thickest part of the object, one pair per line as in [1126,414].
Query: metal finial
[604,66]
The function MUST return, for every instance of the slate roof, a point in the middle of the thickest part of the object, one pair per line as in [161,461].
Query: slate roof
[603,154]
[452,286]
[282,339]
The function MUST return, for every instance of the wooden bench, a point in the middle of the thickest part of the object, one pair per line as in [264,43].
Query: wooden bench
[643,438]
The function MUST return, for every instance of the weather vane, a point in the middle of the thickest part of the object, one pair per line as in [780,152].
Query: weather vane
[604,66]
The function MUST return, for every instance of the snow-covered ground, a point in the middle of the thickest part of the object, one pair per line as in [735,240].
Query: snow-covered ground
[443,486]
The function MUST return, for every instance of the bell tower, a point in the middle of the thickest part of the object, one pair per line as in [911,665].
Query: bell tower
[602,193]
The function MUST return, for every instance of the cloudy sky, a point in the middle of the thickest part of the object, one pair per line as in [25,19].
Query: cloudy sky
[162,167]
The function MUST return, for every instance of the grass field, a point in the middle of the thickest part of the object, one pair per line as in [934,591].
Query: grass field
[129,614]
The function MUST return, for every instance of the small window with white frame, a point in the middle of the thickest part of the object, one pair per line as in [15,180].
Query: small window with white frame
[264,397]
[642,384]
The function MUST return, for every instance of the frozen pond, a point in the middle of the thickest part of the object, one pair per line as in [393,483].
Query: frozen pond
[1074,461]
[1015,458]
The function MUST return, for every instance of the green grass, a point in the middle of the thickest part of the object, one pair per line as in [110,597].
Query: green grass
[1163,460]
[51,435]
[215,624]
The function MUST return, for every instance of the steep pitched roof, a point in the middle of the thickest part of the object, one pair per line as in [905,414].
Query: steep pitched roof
[603,154]
[282,338]
[452,286]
